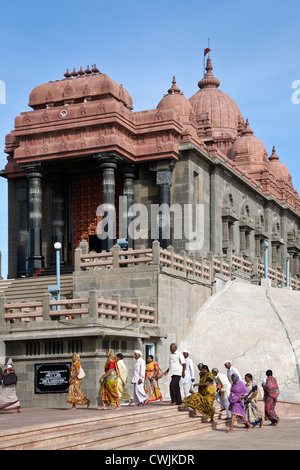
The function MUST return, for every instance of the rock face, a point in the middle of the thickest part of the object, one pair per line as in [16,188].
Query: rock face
[256,327]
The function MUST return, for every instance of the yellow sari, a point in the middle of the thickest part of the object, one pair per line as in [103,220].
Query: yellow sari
[151,384]
[109,386]
[203,402]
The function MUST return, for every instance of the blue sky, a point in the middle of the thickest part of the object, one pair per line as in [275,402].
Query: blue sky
[255,51]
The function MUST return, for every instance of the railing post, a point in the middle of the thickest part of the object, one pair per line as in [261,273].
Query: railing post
[77,260]
[117,298]
[115,255]
[156,252]
[153,305]
[210,262]
[2,302]
[46,306]
[229,260]
[138,310]
[93,303]
[183,254]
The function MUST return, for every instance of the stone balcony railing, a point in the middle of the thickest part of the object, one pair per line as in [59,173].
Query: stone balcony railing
[204,268]
[183,265]
[86,308]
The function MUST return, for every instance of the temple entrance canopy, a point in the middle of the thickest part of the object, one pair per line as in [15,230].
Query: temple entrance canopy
[80,147]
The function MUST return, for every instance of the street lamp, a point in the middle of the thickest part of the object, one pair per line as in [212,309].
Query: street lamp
[57,247]
[265,247]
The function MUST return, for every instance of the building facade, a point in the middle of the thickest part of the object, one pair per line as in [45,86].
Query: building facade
[189,173]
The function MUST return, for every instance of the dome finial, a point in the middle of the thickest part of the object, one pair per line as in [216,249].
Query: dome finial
[273,156]
[247,130]
[209,80]
[174,88]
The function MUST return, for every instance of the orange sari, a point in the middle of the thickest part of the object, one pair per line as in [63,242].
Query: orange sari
[76,395]
[151,384]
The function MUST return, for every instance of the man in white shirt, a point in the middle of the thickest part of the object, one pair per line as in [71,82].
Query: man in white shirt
[177,365]
[223,390]
[186,381]
[140,396]
[231,370]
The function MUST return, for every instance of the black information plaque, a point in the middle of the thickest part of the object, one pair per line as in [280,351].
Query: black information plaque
[52,378]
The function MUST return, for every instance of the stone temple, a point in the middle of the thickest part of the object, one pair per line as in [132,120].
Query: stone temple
[175,224]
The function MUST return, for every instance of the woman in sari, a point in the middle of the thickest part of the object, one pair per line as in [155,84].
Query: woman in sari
[76,395]
[151,382]
[202,401]
[238,392]
[251,410]
[204,375]
[8,396]
[109,382]
[271,392]
[122,380]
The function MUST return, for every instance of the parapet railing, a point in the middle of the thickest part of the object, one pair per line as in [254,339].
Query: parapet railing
[204,268]
[68,309]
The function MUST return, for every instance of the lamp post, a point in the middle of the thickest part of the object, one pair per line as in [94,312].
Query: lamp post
[287,258]
[57,247]
[266,246]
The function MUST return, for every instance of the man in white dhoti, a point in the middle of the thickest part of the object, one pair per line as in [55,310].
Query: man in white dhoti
[189,376]
[223,390]
[140,396]
[231,370]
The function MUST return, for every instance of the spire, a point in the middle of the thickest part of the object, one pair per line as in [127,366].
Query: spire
[247,130]
[273,156]
[174,88]
[209,80]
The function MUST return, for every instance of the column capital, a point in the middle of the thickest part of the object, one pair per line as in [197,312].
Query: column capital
[33,170]
[129,170]
[164,169]
[108,159]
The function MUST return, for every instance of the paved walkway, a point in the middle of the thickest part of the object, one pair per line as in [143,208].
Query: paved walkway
[285,436]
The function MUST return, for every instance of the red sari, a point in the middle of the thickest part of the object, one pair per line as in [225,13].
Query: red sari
[271,392]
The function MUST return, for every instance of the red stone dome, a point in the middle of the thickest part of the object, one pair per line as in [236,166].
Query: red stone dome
[222,111]
[175,100]
[76,86]
[278,169]
[248,151]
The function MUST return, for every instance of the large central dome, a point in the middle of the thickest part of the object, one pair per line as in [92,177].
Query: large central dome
[222,112]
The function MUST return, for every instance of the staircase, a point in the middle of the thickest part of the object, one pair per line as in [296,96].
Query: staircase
[30,288]
[129,428]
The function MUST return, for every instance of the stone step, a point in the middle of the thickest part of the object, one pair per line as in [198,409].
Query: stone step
[34,288]
[112,430]
[55,433]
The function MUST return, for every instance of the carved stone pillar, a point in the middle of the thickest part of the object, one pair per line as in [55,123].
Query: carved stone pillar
[58,220]
[108,165]
[164,181]
[22,235]
[35,259]
[129,172]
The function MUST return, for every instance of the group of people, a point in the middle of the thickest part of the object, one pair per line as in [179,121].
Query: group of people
[113,383]
[240,400]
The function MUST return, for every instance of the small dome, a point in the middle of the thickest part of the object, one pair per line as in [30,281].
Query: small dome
[77,86]
[248,151]
[175,100]
[222,111]
[279,170]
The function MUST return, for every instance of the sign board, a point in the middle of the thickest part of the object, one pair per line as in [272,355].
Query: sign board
[52,378]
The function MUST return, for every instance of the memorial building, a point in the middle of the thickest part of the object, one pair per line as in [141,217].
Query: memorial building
[153,210]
